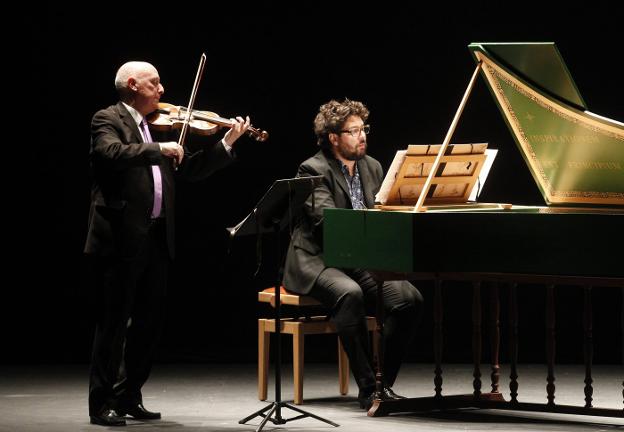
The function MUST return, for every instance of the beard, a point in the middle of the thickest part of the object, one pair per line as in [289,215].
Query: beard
[353,154]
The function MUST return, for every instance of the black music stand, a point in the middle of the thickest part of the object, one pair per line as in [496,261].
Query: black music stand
[276,210]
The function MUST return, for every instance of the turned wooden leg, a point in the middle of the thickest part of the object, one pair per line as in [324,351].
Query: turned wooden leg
[379,379]
[375,338]
[588,345]
[550,343]
[494,336]
[437,337]
[476,338]
[513,342]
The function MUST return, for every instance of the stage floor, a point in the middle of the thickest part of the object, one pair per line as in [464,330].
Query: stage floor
[213,397]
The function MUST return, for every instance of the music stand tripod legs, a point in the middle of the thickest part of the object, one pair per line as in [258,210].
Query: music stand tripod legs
[274,409]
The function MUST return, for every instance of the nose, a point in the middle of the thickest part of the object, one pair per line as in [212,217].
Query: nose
[161,89]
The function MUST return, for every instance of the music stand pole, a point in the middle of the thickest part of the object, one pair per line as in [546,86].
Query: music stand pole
[274,409]
[278,329]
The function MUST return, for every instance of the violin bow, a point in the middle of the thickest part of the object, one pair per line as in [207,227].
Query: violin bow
[185,125]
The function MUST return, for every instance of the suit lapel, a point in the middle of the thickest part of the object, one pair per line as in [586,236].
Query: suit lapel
[129,121]
[338,175]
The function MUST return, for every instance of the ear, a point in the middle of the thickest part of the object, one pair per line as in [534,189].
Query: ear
[333,139]
[132,84]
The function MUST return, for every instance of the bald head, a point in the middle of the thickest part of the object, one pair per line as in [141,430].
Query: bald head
[138,85]
[133,69]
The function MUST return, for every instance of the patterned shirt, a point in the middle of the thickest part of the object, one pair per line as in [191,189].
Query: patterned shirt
[355,187]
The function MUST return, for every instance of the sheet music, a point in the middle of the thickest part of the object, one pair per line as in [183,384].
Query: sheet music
[388,181]
[490,154]
[419,169]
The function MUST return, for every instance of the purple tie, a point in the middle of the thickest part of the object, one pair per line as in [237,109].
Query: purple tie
[156,173]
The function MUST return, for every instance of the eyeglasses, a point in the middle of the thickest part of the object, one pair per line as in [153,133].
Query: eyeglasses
[355,131]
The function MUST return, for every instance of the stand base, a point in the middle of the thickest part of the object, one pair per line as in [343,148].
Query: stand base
[275,409]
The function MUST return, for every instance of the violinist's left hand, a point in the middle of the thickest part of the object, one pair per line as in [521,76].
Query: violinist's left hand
[240,127]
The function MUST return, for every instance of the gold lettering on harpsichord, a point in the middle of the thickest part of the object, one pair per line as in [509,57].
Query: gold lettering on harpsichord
[563,139]
[595,165]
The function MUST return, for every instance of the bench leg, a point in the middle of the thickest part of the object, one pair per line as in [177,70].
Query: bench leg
[343,369]
[263,359]
[298,364]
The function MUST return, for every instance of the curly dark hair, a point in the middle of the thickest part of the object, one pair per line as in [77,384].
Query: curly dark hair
[333,115]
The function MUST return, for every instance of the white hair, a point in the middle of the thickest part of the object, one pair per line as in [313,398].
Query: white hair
[130,69]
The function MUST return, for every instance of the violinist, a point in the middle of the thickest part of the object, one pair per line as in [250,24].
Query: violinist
[130,239]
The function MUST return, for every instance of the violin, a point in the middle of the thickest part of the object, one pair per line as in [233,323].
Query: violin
[169,116]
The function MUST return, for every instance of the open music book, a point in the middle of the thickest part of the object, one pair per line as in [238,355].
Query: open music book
[459,179]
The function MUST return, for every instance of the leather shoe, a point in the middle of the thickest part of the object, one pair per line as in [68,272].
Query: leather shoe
[387,394]
[390,394]
[108,417]
[139,412]
[367,396]
[366,401]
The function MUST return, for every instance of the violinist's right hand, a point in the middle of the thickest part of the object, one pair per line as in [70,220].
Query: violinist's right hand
[173,150]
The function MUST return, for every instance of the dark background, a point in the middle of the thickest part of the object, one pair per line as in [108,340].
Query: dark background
[278,64]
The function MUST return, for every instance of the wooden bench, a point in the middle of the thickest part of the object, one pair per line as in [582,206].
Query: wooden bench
[298,328]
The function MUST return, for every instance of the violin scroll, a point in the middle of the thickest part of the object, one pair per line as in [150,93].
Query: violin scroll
[257,134]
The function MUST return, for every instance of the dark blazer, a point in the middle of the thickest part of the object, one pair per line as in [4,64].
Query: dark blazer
[123,189]
[304,261]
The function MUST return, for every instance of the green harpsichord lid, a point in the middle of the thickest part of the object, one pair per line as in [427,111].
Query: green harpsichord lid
[575,156]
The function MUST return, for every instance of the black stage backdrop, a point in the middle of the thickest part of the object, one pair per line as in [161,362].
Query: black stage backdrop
[278,64]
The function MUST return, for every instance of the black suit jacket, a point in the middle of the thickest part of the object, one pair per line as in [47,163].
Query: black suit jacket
[123,188]
[304,261]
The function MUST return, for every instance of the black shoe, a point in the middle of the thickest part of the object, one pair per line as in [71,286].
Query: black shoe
[390,394]
[139,412]
[107,417]
[366,401]
[366,397]
[387,394]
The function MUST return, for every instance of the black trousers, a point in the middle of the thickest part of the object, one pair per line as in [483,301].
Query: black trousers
[351,294]
[130,296]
